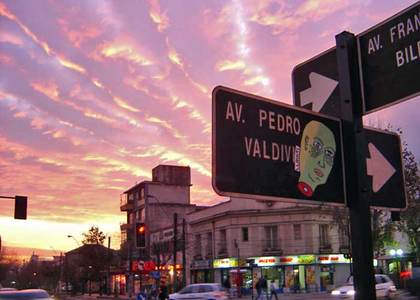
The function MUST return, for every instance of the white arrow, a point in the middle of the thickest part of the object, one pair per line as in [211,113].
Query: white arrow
[319,92]
[378,167]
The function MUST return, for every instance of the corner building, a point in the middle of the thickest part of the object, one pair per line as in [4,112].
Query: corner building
[300,248]
[152,204]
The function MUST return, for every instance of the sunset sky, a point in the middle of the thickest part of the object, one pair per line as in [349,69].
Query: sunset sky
[94,94]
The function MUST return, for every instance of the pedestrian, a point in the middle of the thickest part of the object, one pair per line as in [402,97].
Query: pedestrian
[273,290]
[163,295]
[258,286]
[226,285]
[141,295]
[264,286]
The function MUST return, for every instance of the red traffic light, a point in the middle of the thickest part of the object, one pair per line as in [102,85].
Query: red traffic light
[141,229]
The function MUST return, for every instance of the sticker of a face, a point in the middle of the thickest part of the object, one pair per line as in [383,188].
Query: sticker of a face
[317,154]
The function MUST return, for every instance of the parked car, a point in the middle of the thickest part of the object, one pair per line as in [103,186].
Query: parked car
[207,291]
[33,294]
[384,286]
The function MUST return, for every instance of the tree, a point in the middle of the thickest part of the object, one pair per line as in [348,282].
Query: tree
[8,267]
[94,236]
[410,218]
[382,232]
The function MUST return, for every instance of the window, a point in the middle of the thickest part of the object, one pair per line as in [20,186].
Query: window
[245,234]
[187,290]
[131,218]
[270,237]
[197,244]
[379,280]
[123,236]
[140,215]
[205,288]
[343,238]
[323,236]
[297,231]
[209,247]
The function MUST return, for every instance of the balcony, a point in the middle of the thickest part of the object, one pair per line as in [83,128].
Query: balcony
[209,255]
[126,226]
[325,248]
[125,204]
[344,249]
[272,251]
[222,250]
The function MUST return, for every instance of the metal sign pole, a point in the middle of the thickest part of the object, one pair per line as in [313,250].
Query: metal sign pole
[357,190]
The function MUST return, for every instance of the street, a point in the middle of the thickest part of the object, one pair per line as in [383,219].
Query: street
[400,295]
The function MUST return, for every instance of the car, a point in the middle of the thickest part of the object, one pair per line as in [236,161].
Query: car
[384,286]
[207,291]
[31,294]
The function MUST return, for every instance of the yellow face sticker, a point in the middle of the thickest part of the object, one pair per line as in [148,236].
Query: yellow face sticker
[317,154]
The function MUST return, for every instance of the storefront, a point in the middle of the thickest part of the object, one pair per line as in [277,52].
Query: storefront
[222,268]
[118,284]
[239,275]
[308,273]
[202,271]
[334,270]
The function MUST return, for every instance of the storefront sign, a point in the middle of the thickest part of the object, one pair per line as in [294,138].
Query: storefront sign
[225,263]
[288,260]
[201,264]
[332,259]
[267,261]
[308,259]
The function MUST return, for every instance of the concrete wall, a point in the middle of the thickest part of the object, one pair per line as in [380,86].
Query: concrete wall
[168,193]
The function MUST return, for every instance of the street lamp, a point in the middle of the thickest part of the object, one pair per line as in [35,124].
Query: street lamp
[397,254]
[77,242]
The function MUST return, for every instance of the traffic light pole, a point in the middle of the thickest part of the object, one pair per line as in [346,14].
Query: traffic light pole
[175,251]
[354,144]
[184,258]
[21,206]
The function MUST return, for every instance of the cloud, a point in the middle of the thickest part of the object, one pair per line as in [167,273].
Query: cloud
[123,104]
[228,65]
[122,50]
[158,17]
[77,32]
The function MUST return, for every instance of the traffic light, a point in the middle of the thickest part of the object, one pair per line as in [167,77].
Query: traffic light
[140,235]
[21,205]
[395,216]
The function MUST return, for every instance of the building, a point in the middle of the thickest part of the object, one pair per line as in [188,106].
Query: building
[148,234]
[87,269]
[297,247]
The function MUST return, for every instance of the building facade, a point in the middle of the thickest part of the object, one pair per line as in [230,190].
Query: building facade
[150,207]
[297,247]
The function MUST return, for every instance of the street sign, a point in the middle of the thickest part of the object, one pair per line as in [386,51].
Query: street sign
[389,62]
[155,274]
[385,168]
[268,150]
[315,84]
[389,55]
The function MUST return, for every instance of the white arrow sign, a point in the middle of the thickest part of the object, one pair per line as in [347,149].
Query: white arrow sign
[378,167]
[319,92]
